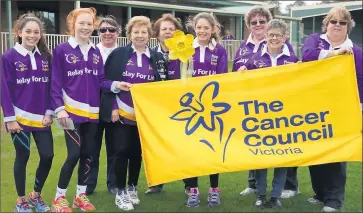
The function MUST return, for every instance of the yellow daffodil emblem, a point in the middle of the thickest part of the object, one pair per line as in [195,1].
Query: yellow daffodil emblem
[180,46]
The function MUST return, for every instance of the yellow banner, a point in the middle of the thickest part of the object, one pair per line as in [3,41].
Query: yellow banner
[292,115]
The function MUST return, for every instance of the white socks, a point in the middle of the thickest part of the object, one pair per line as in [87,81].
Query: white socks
[81,189]
[60,192]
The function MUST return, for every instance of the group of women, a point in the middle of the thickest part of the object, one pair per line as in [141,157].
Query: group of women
[89,85]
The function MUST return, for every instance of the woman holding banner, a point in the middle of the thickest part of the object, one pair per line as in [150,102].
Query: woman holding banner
[328,180]
[164,28]
[256,21]
[134,63]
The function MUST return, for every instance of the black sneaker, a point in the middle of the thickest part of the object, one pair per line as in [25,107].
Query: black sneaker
[260,202]
[274,203]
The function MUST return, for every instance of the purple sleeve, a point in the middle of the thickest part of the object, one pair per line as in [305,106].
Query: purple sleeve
[50,110]
[222,66]
[56,84]
[291,49]
[295,59]
[310,50]
[358,69]
[115,106]
[6,101]
[235,66]
[249,64]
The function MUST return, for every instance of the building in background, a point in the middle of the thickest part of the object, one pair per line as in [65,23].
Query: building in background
[53,13]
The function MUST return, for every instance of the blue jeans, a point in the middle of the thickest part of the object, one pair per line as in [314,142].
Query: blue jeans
[278,181]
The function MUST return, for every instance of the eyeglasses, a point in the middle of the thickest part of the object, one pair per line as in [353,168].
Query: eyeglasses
[255,22]
[272,35]
[343,23]
[109,29]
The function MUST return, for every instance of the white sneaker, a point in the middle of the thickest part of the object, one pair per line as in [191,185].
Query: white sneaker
[288,193]
[248,191]
[328,209]
[314,201]
[123,201]
[132,191]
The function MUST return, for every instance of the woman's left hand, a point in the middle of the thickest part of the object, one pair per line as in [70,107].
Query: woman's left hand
[47,120]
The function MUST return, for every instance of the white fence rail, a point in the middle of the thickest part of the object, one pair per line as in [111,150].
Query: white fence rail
[54,39]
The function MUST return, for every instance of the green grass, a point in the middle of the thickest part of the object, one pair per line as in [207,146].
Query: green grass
[172,200]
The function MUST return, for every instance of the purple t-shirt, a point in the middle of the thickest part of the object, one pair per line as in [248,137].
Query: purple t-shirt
[76,83]
[246,50]
[263,59]
[25,88]
[315,43]
[213,61]
[135,74]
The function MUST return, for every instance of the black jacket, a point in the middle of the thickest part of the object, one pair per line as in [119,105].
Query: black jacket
[114,67]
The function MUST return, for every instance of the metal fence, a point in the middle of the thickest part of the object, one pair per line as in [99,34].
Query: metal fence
[54,39]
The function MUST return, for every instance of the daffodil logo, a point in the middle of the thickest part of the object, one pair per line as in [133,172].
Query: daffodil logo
[204,112]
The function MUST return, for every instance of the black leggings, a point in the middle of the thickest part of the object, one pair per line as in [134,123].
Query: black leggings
[193,182]
[128,154]
[80,143]
[44,142]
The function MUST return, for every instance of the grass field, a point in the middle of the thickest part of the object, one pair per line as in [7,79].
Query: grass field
[172,200]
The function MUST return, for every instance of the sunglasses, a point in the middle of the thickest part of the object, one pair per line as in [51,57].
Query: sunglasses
[342,23]
[255,22]
[109,29]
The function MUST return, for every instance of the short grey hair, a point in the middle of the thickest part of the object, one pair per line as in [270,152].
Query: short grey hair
[278,24]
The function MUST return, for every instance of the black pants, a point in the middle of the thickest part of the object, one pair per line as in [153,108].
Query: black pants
[193,182]
[44,142]
[80,143]
[328,182]
[95,158]
[128,154]
[290,184]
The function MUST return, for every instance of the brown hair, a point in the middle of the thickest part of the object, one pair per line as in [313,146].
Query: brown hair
[72,17]
[212,21]
[166,17]
[257,10]
[111,20]
[138,20]
[338,10]
[20,24]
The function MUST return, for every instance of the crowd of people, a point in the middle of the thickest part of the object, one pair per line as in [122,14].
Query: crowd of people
[89,84]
